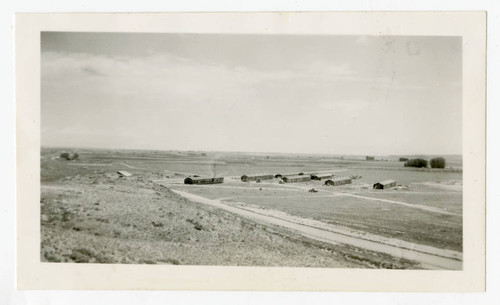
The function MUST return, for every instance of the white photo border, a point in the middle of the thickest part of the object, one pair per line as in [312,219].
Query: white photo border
[33,274]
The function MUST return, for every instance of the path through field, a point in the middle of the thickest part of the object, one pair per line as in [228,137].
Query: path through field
[409,205]
[428,257]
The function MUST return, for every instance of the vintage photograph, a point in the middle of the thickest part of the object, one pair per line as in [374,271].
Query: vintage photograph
[260,150]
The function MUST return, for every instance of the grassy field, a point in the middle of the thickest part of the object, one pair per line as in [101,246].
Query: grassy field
[386,219]
[89,214]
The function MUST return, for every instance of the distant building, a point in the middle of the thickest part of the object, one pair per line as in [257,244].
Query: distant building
[285,175]
[124,174]
[403,159]
[370,158]
[257,177]
[200,180]
[382,185]
[321,176]
[338,181]
[296,178]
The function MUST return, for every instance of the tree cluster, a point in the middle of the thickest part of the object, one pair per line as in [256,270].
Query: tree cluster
[435,163]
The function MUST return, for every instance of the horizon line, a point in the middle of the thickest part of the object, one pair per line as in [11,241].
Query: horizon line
[251,152]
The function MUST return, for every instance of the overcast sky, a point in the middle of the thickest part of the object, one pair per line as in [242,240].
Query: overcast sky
[258,93]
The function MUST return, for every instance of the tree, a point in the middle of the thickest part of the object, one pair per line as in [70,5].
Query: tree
[416,163]
[438,163]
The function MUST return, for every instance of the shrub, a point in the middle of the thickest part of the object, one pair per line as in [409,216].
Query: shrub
[403,159]
[438,163]
[416,163]
[73,156]
[68,156]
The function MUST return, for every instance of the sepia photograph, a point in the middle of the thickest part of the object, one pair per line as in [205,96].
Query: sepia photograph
[325,151]
[251,151]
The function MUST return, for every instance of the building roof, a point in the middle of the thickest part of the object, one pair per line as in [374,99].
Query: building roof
[338,179]
[124,173]
[388,181]
[322,175]
[334,179]
[297,176]
[341,178]
[203,178]
[257,175]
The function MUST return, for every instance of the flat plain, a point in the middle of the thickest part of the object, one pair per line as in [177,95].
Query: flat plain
[91,214]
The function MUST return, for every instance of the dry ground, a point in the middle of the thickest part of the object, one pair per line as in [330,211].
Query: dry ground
[105,219]
[89,214]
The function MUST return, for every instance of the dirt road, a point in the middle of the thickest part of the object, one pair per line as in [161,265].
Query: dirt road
[428,257]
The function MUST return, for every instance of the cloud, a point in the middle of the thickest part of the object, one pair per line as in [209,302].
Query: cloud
[160,77]
[92,71]
[131,100]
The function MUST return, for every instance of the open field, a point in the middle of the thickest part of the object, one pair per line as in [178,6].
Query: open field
[130,222]
[89,214]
